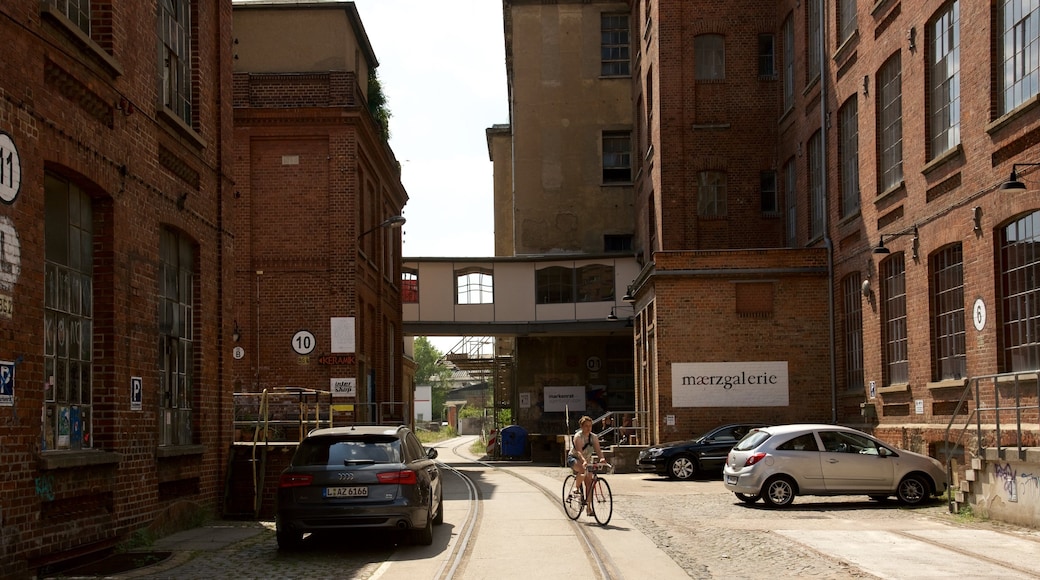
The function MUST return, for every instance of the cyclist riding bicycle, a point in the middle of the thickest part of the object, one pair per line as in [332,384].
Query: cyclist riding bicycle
[584,445]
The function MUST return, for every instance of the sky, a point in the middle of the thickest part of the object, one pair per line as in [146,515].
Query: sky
[442,67]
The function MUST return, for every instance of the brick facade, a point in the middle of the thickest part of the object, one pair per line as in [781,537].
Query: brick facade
[84,110]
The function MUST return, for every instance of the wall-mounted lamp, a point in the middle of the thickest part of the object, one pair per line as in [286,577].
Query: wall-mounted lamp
[628,296]
[915,244]
[236,334]
[911,37]
[865,287]
[1013,182]
[976,219]
[390,222]
[613,312]
[866,85]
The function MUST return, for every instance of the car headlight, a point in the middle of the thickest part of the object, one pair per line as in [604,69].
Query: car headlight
[654,452]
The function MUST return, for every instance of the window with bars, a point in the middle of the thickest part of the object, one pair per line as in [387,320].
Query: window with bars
[790,194]
[711,194]
[846,20]
[474,286]
[895,354]
[1020,21]
[1020,294]
[554,285]
[848,135]
[947,273]
[176,337]
[68,317]
[617,156]
[813,33]
[944,70]
[614,45]
[788,32]
[816,202]
[852,315]
[890,124]
[175,53]
[77,11]
[709,51]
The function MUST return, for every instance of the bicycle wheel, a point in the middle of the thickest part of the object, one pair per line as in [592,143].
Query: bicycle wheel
[602,501]
[572,503]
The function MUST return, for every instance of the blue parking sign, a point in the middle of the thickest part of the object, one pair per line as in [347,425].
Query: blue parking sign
[136,393]
[6,383]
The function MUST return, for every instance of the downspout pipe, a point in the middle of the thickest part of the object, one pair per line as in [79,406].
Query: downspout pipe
[827,242]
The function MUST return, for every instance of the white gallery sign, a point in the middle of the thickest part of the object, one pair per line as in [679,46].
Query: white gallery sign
[564,399]
[730,384]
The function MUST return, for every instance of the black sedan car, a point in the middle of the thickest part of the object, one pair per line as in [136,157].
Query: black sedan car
[360,478]
[689,459]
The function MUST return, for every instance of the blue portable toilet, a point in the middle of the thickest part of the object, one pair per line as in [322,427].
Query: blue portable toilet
[513,441]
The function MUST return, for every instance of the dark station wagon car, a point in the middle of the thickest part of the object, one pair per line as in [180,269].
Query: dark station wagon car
[360,478]
[689,459]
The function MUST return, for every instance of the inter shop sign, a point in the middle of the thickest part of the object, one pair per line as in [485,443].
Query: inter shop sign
[730,384]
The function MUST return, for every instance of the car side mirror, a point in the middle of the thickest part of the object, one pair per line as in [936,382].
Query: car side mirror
[431,453]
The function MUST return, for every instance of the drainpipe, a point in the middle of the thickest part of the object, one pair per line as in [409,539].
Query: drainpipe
[827,242]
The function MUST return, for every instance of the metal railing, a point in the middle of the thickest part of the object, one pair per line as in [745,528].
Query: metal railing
[1001,398]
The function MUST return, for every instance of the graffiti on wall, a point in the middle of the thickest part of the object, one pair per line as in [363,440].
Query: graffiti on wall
[1013,482]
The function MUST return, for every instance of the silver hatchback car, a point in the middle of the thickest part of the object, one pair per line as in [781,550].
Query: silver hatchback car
[777,463]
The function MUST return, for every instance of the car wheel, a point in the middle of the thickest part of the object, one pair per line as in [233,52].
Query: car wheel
[288,538]
[424,535]
[912,490]
[682,467]
[439,518]
[778,491]
[747,498]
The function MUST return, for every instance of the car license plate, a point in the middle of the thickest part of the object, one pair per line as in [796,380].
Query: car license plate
[731,479]
[355,491]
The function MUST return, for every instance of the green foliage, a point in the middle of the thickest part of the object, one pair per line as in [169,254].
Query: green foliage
[377,104]
[468,412]
[426,436]
[429,371]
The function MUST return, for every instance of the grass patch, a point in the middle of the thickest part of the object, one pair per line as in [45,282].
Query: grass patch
[426,436]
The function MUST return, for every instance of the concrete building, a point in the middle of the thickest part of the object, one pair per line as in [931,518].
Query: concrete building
[115,254]
[317,208]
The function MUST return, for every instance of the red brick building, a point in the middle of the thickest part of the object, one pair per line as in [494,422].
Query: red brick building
[317,207]
[114,405]
[901,130]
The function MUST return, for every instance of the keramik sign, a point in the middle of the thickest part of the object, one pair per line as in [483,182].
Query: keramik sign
[730,384]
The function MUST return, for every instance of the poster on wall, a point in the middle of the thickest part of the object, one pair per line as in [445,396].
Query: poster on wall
[345,387]
[343,335]
[730,384]
[560,399]
[6,383]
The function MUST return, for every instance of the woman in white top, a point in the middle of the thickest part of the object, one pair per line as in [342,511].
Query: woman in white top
[584,445]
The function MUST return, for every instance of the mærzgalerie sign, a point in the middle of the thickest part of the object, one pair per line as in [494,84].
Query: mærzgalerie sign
[730,384]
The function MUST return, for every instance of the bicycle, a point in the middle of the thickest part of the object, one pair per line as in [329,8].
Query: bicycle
[602,499]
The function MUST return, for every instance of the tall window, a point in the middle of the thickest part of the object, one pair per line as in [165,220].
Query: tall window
[77,11]
[893,316]
[617,156]
[614,49]
[790,185]
[816,202]
[554,285]
[709,51]
[788,32]
[711,195]
[813,34]
[1020,293]
[1021,43]
[176,331]
[766,55]
[475,286]
[944,115]
[68,317]
[947,272]
[409,286]
[890,124]
[852,304]
[175,52]
[846,20]
[768,194]
[848,135]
